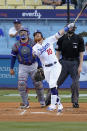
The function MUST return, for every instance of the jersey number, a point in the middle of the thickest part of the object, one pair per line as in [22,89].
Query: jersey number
[49,51]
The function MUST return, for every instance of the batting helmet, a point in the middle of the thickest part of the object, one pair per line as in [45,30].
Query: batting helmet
[37,31]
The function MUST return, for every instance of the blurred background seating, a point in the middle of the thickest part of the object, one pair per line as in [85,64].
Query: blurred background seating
[47,27]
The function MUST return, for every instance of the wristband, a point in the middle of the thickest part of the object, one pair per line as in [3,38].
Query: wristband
[58,33]
[66,29]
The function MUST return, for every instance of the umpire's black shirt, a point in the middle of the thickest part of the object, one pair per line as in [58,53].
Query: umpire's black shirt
[70,46]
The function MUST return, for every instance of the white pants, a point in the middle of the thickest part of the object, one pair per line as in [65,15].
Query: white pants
[52,74]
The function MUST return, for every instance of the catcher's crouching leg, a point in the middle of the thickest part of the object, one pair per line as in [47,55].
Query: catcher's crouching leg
[23,93]
[40,93]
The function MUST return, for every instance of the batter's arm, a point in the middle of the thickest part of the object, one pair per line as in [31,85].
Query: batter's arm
[65,30]
[59,34]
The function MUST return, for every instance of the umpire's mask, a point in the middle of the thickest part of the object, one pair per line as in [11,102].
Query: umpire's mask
[71,31]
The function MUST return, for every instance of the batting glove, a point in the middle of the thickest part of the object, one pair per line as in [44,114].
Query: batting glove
[71,25]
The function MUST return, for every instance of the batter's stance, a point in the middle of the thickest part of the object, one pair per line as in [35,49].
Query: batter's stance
[52,68]
[27,66]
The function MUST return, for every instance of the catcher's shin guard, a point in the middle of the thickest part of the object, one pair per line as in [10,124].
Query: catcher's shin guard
[24,97]
[23,91]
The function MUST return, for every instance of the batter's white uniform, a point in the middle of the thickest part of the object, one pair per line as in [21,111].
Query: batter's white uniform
[46,53]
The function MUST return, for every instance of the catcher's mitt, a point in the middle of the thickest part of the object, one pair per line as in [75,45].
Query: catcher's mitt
[39,75]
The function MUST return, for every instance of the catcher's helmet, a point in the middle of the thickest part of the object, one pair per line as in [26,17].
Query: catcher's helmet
[24,29]
[37,31]
[23,36]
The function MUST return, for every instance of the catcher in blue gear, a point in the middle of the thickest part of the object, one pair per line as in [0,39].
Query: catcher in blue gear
[28,65]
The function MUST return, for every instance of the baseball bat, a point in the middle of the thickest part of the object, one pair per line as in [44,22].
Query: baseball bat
[80,13]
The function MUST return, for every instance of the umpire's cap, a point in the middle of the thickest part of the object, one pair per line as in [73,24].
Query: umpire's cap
[24,29]
[37,31]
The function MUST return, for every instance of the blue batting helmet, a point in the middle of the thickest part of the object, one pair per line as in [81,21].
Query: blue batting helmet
[37,31]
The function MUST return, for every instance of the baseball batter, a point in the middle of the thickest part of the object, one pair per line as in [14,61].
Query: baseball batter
[27,67]
[52,68]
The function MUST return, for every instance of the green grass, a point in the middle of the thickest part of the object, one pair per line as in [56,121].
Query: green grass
[14,98]
[43,126]
[33,99]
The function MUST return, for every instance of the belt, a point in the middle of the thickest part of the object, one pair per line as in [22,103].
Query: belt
[51,64]
[70,59]
[28,64]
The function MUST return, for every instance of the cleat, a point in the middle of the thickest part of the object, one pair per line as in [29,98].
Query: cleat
[24,106]
[51,108]
[47,102]
[42,104]
[75,105]
[60,107]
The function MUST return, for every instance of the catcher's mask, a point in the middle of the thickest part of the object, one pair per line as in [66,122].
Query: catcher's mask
[24,33]
[37,31]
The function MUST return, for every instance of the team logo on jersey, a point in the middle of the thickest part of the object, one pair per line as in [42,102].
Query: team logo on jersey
[43,49]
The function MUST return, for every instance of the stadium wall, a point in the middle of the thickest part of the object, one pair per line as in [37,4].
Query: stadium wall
[8,81]
[48,26]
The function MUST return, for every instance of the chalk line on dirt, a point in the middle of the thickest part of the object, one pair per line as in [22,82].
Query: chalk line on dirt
[23,112]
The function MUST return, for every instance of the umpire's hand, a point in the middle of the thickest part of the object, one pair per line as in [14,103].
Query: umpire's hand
[79,69]
[12,72]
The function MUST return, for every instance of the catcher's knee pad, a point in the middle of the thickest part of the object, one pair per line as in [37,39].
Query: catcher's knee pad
[38,85]
[22,85]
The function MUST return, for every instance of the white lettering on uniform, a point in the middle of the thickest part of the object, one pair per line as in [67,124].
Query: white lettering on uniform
[43,49]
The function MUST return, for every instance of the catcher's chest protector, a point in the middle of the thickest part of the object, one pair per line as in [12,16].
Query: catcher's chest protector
[25,54]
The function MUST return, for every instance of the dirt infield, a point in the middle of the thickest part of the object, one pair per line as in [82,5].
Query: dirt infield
[12,112]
